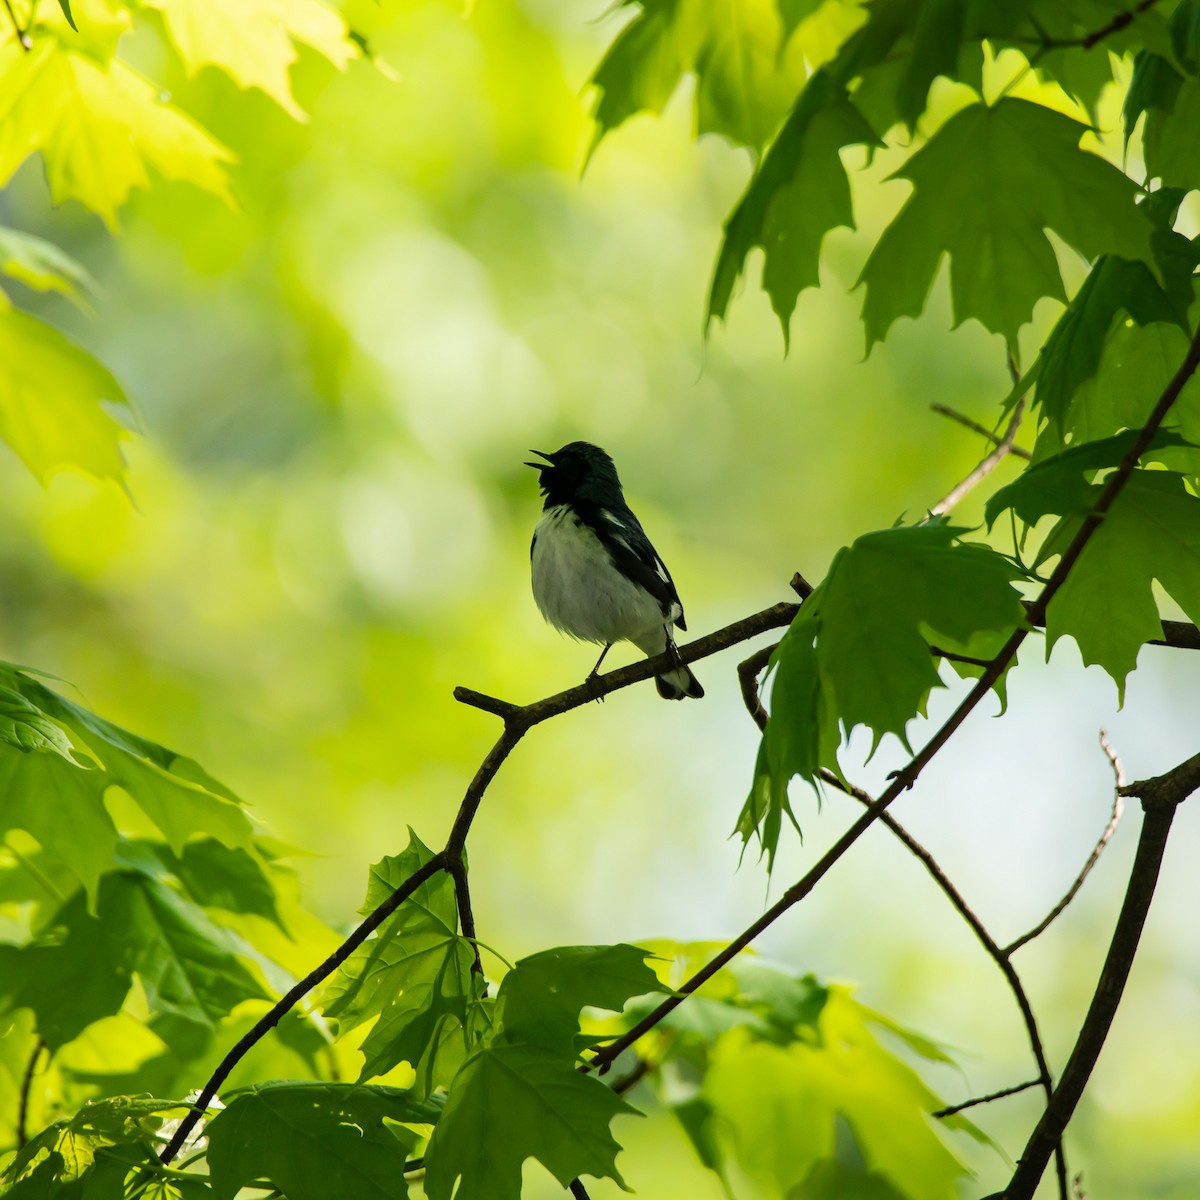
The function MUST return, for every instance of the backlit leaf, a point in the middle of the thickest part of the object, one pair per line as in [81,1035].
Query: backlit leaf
[543,994]
[413,975]
[253,41]
[1007,173]
[57,402]
[41,265]
[509,1103]
[59,798]
[1152,532]
[101,128]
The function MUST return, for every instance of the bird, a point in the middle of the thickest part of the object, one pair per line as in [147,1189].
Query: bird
[596,576]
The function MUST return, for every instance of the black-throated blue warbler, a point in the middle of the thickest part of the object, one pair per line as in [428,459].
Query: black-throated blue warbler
[595,574]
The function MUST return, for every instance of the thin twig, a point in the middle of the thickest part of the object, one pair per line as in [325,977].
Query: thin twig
[1044,1080]
[26,1088]
[1118,807]
[1002,448]
[1160,799]
[578,1190]
[983,431]
[942,1113]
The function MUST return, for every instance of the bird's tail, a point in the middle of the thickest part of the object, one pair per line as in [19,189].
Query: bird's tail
[679,681]
[676,684]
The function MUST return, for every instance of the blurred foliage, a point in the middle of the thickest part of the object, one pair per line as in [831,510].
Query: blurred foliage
[358,275]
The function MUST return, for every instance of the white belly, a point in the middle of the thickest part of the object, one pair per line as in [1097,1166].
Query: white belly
[581,592]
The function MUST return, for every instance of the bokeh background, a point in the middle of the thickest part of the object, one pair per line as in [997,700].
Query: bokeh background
[328,529]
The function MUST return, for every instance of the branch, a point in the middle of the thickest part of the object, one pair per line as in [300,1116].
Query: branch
[1118,808]
[1160,798]
[942,1113]
[982,430]
[986,467]
[524,717]
[908,775]
[1119,22]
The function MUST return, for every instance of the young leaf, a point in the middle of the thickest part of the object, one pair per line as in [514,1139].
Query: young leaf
[414,975]
[316,1140]
[57,402]
[253,41]
[1152,532]
[799,193]
[1008,172]
[509,1103]
[544,993]
[100,127]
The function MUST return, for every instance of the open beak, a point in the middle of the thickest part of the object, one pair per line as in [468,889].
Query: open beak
[540,466]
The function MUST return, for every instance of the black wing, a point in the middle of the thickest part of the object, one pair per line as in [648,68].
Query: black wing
[632,553]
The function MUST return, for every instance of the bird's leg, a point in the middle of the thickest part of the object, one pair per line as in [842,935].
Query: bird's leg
[596,669]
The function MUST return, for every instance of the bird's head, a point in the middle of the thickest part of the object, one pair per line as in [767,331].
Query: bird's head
[579,471]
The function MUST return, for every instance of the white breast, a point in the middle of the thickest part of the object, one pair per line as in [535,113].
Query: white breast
[581,592]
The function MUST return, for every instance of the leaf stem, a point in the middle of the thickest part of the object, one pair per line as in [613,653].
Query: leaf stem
[22,36]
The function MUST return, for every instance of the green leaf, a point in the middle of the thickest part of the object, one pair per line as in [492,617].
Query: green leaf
[509,1103]
[780,1106]
[1006,173]
[316,1140]
[849,661]
[76,828]
[414,974]
[57,402]
[67,1150]
[41,265]
[80,969]
[1152,532]
[543,994]
[100,126]
[1073,352]
[188,965]
[1063,483]
[253,41]
[797,195]
[65,5]
[29,729]
[744,84]
[1166,89]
